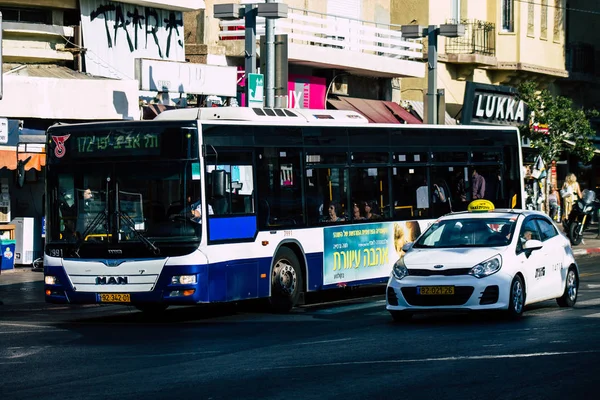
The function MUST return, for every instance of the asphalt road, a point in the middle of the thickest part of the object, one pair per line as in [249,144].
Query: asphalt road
[347,349]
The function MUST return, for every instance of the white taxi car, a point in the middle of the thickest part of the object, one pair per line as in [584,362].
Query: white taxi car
[490,260]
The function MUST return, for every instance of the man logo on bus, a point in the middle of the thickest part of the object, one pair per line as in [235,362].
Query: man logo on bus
[59,150]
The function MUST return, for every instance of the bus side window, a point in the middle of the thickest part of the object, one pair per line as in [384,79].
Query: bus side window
[279,188]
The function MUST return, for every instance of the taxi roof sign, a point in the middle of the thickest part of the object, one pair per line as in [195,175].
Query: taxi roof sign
[481,205]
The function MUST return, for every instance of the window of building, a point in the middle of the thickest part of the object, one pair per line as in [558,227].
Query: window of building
[36,16]
[531,19]
[508,15]
[544,21]
[558,20]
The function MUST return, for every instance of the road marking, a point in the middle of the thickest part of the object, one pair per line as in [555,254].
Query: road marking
[349,308]
[438,359]
[33,331]
[324,341]
[593,286]
[589,274]
[11,362]
[597,315]
[590,302]
[23,325]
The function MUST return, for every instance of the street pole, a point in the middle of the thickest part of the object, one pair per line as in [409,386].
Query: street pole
[432,114]
[270,60]
[250,45]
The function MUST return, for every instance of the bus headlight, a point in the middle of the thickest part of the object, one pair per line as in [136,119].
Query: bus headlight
[183,280]
[51,280]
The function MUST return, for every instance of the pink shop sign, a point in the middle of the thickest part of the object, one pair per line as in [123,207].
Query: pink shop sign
[306,92]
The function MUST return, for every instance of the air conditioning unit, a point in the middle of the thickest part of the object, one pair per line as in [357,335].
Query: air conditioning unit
[340,85]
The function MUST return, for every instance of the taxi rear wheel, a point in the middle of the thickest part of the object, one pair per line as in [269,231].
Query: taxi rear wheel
[569,297]
[401,316]
[517,298]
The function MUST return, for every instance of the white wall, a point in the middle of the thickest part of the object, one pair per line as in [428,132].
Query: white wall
[80,99]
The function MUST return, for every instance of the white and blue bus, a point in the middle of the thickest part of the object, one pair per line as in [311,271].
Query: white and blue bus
[226,204]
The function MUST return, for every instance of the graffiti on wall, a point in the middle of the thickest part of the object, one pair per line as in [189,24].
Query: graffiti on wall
[115,34]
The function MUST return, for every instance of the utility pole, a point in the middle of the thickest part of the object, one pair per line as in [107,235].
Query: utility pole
[270,50]
[250,40]
[432,39]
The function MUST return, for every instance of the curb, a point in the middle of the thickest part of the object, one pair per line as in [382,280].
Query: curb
[579,252]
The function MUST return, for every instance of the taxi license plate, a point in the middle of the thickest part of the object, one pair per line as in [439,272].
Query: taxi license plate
[115,297]
[435,290]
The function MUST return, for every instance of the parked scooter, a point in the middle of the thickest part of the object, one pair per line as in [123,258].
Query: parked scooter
[580,216]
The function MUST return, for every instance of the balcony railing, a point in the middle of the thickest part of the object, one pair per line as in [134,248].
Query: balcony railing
[583,58]
[480,38]
[324,30]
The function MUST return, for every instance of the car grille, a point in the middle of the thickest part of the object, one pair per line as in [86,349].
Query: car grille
[442,272]
[391,297]
[461,296]
[490,295]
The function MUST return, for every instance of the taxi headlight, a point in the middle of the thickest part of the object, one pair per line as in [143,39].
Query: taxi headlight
[399,270]
[487,267]
[51,280]
[183,280]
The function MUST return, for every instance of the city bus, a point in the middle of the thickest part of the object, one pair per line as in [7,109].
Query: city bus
[205,205]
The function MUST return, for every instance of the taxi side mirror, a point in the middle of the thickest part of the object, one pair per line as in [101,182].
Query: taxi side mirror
[407,246]
[533,245]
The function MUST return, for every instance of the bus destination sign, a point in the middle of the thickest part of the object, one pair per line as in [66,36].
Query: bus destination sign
[116,144]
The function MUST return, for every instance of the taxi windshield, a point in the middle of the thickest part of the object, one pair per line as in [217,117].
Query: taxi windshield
[468,232]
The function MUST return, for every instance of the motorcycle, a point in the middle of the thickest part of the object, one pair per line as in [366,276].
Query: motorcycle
[580,217]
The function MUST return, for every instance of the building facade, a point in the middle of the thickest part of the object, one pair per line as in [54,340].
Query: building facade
[506,42]
[340,53]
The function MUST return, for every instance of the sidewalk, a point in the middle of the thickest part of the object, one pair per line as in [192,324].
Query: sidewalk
[591,242]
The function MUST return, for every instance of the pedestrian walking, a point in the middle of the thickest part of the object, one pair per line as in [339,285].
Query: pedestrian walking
[569,192]
[554,204]
[478,185]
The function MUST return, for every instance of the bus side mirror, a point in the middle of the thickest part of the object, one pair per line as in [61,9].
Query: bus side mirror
[219,182]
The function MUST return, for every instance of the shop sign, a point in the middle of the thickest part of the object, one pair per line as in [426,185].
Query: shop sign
[306,92]
[181,77]
[492,105]
[115,34]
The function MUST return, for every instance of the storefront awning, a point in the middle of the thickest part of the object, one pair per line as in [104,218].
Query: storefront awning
[31,149]
[376,111]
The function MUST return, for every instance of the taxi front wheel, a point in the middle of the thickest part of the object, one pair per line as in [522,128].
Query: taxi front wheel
[569,297]
[517,298]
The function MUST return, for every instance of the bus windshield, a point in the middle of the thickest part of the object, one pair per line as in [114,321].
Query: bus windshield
[144,198]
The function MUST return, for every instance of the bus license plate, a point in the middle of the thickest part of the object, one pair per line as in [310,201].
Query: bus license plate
[115,297]
[435,290]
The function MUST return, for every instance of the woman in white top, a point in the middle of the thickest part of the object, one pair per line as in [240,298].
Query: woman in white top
[571,186]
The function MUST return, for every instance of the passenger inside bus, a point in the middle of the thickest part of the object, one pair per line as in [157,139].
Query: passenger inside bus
[334,212]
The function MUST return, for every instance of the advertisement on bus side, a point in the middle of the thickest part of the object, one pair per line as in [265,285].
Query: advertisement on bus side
[365,251]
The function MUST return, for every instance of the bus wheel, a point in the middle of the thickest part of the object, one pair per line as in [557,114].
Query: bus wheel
[286,281]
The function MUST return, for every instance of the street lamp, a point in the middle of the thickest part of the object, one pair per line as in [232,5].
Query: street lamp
[432,32]
[249,12]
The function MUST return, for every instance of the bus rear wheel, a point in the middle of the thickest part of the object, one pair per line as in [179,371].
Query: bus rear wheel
[286,281]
